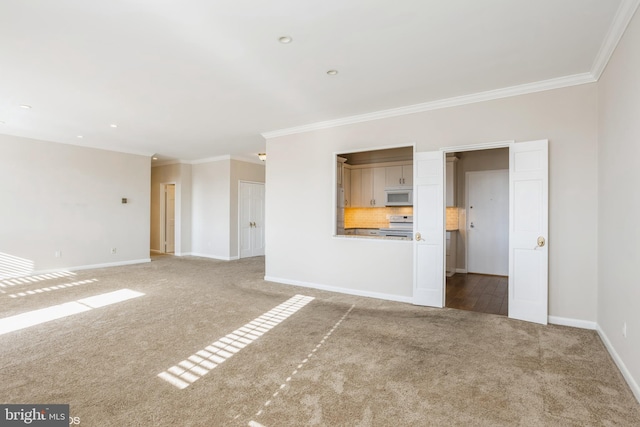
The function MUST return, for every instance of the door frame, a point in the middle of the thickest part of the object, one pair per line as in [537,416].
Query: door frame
[163,215]
[471,147]
[512,146]
[462,148]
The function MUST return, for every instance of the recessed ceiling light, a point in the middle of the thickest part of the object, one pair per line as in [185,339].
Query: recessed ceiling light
[154,158]
[25,106]
[113,125]
[332,72]
[285,39]
[80,136]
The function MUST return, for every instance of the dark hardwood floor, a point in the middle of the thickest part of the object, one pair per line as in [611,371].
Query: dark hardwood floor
[478,292]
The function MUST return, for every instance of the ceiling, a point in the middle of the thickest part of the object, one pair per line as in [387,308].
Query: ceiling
[195,79]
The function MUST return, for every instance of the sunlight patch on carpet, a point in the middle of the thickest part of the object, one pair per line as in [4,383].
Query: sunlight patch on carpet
[43,315]
[200,363]
[52,288]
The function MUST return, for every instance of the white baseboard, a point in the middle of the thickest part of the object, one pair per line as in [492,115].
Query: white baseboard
[461,270]
[348,291]
[575,323]
[633,385]
[91,266]
[155,251]
[221,258]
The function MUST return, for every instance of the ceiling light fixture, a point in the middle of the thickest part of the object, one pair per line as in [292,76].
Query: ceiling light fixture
[113,125]
[25,106]
[154,158]
[332,72]
[80,136]
[285,39]
[262,156]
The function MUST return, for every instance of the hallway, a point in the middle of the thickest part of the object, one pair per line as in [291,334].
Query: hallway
[479,293]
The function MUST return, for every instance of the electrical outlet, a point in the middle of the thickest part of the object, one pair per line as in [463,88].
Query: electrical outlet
[57,254]
[624,329]
[114,250]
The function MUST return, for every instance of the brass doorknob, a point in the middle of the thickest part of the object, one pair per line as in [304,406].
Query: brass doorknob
[419,237]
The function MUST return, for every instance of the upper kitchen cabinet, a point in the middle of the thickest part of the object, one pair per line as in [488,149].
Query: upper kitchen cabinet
[399,176]
[450,181]
[356,189]
[367,187]
[373,185]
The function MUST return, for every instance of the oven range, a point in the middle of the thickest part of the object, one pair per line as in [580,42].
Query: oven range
[399,226]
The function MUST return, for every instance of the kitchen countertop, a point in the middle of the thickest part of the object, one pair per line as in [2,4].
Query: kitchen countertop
[355,236]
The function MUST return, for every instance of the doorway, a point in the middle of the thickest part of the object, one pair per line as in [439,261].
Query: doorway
[251,219]
[528,228]
[480,283]
[168,218]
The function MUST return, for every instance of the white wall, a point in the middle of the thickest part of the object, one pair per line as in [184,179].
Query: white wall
[180,175]
[619,206]
[58,197]
[300,175]
[206,204]
[210,209]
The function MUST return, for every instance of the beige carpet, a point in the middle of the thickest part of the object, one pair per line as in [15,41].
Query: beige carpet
[337,361]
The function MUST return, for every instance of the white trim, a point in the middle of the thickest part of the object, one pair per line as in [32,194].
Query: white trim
[91,266]
[633,385]
[155,251]
[461,270]
[241,158]
[574,323]
[619,25]
[478,147]
[348,291]
[544,85]
[221,258]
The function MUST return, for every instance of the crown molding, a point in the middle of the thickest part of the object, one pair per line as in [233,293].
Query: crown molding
[557,83]
[621,20]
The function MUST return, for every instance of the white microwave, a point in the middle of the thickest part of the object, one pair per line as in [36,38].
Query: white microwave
[398,197]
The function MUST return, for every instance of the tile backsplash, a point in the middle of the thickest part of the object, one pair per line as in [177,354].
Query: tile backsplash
[372,217]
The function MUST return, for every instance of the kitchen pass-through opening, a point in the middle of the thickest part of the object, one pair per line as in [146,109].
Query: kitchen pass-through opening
[374,194]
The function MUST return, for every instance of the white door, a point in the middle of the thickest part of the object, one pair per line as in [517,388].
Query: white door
[528,231]
[488,222]
[428,221]
[170,218]
[251,219]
